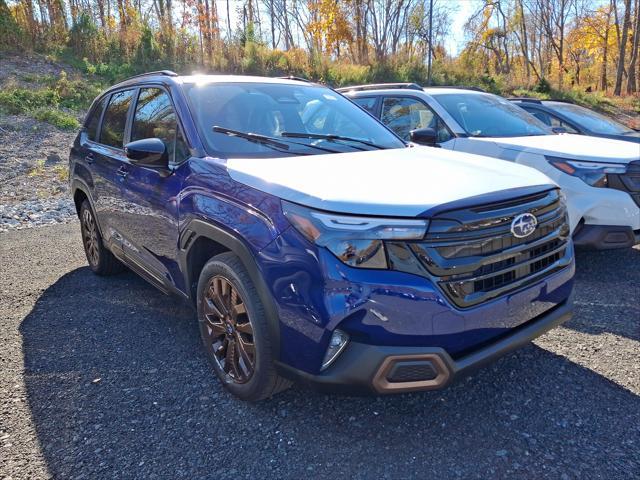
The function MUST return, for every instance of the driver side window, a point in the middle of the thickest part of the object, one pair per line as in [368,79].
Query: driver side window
[551,120]
[556,122]
[403,114]
[155,118]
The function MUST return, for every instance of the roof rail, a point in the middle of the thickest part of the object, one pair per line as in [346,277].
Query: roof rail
[293,77]
[459,87]
[380,86]
[525,99]
[562,100]
[168,73]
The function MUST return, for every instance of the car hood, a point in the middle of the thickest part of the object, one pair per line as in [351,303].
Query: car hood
[398,182]
[579,147]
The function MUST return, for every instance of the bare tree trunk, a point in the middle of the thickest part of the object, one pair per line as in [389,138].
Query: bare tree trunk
[623,46]
[103,21]
[631,80]
[288,36]
[272,20]
[605,52]
[229,32]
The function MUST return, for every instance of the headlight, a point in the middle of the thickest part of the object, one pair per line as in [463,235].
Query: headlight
[592,173]
[355,240]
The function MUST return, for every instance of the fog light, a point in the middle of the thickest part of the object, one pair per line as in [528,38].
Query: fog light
[339,340]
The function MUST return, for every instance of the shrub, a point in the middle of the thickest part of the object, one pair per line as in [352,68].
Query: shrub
[21,100]
[543,86]
[75,94]
[57,118]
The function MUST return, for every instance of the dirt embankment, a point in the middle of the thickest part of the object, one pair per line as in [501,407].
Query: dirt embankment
[33,154]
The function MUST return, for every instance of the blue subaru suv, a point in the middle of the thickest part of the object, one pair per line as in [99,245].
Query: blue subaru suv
[314,244]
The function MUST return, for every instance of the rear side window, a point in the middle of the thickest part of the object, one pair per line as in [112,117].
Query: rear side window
[115,119]
[156,118]
[94,120]
[368,103]
[542,116]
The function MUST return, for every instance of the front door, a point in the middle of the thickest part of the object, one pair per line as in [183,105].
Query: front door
[402,114]
[148,217]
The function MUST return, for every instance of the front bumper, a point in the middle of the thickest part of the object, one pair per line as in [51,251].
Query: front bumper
[605,237]
[372,369]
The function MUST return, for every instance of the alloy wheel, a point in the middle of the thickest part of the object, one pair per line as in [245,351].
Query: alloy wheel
[90,237]
[227,330]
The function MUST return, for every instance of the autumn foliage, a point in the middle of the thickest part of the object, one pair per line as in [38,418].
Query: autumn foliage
[581,45]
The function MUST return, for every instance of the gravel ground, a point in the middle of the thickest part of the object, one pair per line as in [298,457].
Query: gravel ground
[104,378]
[33,154]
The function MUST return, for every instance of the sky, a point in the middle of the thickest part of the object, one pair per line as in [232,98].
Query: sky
[454,42]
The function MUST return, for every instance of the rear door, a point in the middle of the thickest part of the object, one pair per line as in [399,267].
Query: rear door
[147,214]
[106,157]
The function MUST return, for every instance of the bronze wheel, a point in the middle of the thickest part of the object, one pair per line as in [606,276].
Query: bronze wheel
[100,259]
[227,330]
[90,238]
[235,330]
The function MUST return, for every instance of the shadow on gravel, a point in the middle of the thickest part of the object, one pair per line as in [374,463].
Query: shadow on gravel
[607,293]
[118,388]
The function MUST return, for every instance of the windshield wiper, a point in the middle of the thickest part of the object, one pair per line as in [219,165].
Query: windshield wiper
[330,137]
[266,140]
[252,137]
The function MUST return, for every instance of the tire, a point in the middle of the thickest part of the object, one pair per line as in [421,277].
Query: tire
[101,260]
[234,330]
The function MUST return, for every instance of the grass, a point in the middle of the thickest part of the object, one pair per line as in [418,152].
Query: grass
[55,100]
[22,100]
[57,118]
[61,172]
[38,169]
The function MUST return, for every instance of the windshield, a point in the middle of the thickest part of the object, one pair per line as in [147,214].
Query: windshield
[485,115]
[303,113]
[591,120]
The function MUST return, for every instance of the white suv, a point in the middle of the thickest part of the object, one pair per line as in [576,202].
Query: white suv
[600,177]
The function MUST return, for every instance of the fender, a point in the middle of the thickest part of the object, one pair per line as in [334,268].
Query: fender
[198,228]
[79,184]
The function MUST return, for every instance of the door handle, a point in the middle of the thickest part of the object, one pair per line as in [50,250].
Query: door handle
[89,158]
[122,172]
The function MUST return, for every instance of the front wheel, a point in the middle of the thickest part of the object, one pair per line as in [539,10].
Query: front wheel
[234,331]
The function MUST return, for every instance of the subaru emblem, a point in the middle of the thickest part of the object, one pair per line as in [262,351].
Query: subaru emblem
[524,225]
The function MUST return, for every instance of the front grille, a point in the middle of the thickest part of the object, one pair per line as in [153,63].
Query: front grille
[473,256]
[628,182]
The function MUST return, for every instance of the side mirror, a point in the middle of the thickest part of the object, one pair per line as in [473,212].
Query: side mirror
[424,136]
[148,152]
[559,130]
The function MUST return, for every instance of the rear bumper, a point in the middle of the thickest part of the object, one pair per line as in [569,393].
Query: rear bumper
[372,369]
[605,237]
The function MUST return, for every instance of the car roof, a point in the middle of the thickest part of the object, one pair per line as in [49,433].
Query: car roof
[392,89]
[172,78]
[203,79]
[541,103]
[435,91]
[555,103]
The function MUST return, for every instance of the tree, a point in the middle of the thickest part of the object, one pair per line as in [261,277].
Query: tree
[623,46]
[635,46]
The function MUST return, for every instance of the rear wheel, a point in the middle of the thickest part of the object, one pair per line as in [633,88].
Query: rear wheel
[100,259]
[233,328]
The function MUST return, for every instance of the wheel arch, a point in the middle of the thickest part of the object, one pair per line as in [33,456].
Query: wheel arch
[82,192]
[199,242]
